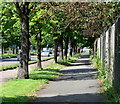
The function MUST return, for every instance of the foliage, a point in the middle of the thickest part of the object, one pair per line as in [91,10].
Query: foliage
[111,94]
[10,25]
[107,90]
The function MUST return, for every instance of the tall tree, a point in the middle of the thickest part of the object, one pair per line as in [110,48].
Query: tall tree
[23,12]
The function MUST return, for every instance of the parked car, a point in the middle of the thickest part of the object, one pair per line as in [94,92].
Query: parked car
[18,57]
[45,53]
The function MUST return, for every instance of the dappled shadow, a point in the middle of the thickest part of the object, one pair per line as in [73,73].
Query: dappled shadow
[84,56]
[78,64]
[87,60]
[86,98]
[4,60]
[78,74]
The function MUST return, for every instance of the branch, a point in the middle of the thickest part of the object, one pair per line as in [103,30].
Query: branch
[18,8]
[71,21]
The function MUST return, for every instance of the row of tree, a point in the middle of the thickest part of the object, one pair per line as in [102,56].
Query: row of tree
[57,23]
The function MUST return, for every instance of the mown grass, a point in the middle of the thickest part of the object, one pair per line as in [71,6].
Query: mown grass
[69,60]
[8,56]
[22,90]
[9,67]
[13,66]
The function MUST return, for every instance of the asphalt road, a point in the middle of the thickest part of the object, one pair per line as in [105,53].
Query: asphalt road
[10,61]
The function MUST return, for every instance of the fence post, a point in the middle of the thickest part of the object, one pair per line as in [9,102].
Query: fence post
[116,71]
[98,48]
[95,48]
[103,49]
[107,50]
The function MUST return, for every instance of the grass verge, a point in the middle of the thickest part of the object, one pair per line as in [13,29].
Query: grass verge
[22,90]
[8,56]
[69,60]
[13,66]
[104,75]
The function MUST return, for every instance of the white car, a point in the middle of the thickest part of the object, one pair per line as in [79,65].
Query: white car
[45,53]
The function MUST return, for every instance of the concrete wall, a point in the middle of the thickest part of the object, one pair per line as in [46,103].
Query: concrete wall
[108,50]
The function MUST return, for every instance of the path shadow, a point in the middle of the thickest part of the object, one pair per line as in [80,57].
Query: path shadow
[78,64]
[87,98]
[78,74]
[9,60]
[85,56]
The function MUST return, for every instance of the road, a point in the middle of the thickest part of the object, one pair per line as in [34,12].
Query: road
[10,61]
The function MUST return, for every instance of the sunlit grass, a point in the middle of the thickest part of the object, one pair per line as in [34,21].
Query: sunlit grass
[22,90]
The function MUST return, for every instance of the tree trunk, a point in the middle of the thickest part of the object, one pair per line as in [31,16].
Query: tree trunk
[55,49]
[39,65]
[2,50]
[24,56]
[71,49]
[61,48]
[66,46]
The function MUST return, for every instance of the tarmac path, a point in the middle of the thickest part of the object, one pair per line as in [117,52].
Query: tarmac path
[77,84]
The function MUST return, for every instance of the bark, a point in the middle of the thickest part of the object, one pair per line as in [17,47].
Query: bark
[39,65]
[2,50]
[66,46]
[61,48]
[24,55]
[71,49]
[23,68]
[55,49]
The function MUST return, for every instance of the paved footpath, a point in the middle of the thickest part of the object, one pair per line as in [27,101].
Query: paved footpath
[9,74]
[77,84]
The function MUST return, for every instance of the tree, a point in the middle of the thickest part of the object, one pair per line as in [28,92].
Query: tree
[23,11]
[10,26]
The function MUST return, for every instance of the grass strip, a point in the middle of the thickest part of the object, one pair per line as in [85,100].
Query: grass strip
[69,60]
[13,66]
[8,56]
[22,90]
